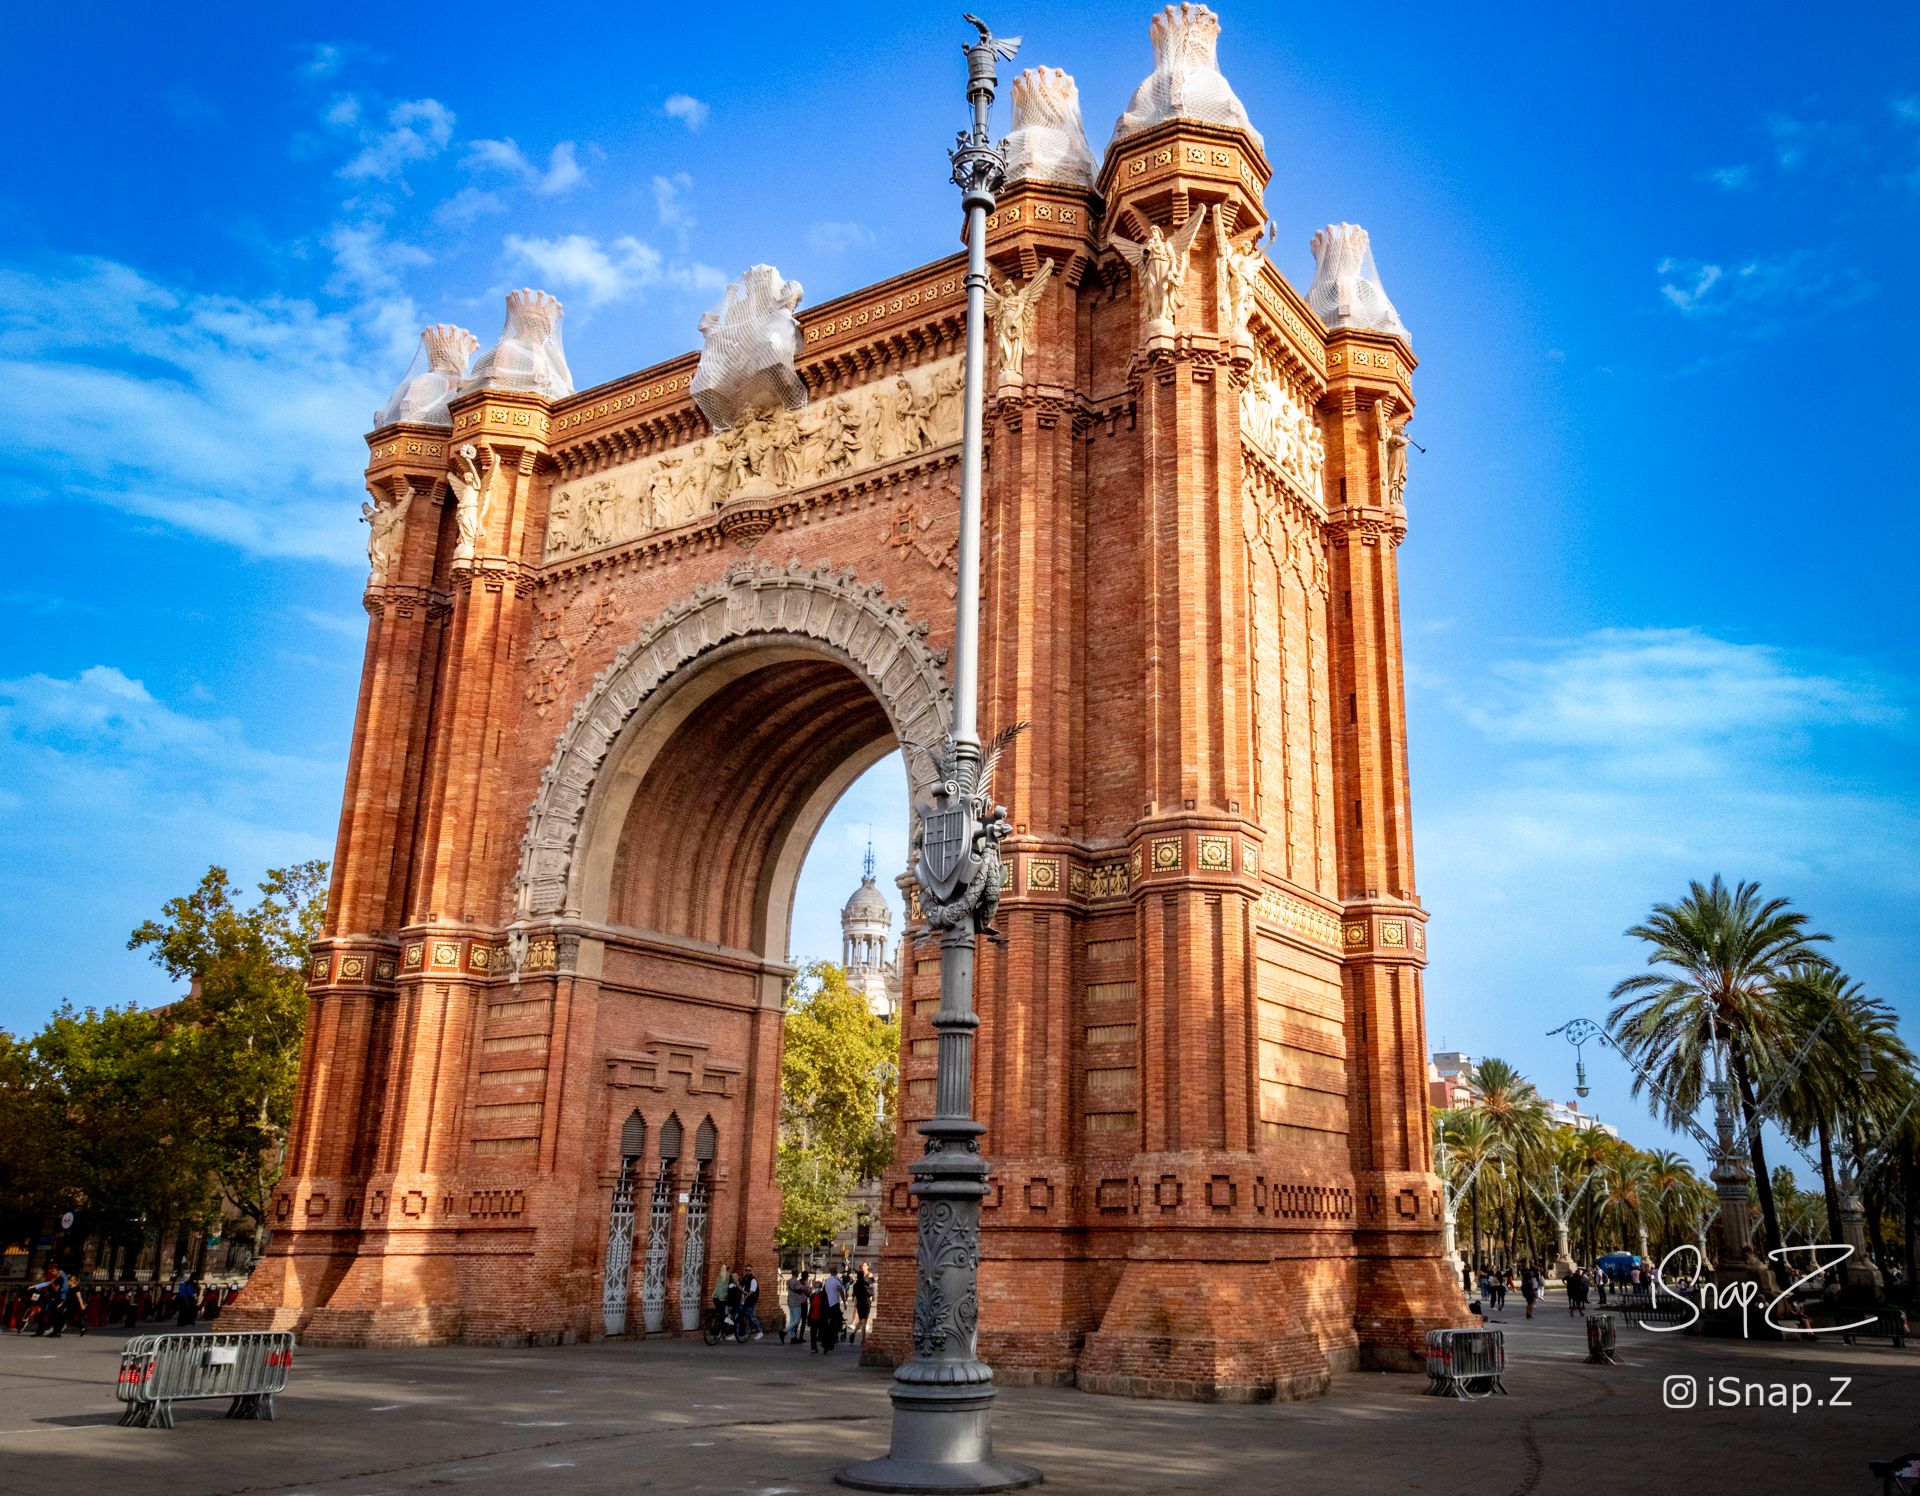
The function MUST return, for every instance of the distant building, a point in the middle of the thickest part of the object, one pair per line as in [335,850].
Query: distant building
[1568,1114]
[866,946]
[1449,1080]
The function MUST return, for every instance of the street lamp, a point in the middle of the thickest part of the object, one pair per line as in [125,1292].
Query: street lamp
[943,1395]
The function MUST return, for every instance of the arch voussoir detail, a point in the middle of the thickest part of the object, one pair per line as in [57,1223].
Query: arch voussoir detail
[833,611]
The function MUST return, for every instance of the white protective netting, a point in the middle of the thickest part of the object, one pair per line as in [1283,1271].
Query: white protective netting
[433,378]
[1048,142]
[528,355]
[752,338]
[1186,82]
[1346,289]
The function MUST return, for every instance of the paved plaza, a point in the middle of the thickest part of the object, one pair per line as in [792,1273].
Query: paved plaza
[682,1417]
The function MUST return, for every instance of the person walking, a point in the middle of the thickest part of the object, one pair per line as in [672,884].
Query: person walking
[1529,1287]
[750,1302]
[186,1300]
[796,1308]
[862,1304]
[816,1317]
[1577,1292]
[836,1296]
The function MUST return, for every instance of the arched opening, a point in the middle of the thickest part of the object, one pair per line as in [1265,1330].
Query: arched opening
[668,841]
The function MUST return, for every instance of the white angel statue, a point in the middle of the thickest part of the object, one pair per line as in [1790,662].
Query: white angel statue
[384,522]
[1012,308]
[474,500]
[1161,265]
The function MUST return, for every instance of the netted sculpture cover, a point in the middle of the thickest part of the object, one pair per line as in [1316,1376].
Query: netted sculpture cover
[1346,289]
[433,378]
[752,338]
[1186,82]
[528,355]
[1048,143]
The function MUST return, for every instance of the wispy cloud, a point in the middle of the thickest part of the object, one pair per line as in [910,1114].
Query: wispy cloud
[416,130]
[615,271]
[561,174]
[129,392]
[1730,178]
[838,237]
[670,203]
[690,111]
[1797,141]
[1607,768]
[1760,290]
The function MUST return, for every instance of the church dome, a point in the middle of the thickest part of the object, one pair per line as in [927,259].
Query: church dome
[868,903]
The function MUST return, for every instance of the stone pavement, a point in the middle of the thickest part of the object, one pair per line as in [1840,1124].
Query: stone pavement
[682,1417]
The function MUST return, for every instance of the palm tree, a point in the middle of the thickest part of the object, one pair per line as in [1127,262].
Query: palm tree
[1470,1145]
[1513,1108]
[1625,1173]
[1717,957]
[1669,1187]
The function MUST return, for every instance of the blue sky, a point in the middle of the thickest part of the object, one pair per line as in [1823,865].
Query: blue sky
[1656,262]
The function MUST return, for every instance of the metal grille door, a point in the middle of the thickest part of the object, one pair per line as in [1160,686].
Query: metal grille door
[693,1255]
[653,1269]
[613,1297]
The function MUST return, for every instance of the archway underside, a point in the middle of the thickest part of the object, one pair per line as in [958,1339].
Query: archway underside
[724,812]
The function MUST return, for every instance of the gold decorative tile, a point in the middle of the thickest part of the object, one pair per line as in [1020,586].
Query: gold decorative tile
[446,953]
[414,953]
[1393,932]
[319,969]
[1215,854]
[1250,856]
[1166,854]
[353,968]
[1043,875]
[1354,934]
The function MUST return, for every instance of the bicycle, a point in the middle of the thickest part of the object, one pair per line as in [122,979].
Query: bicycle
[721,1325]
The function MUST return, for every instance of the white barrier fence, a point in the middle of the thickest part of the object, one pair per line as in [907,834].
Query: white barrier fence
[1466,1363]
[156,1371]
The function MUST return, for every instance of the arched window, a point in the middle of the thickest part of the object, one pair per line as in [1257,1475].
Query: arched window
[706,1142]
[670,1141]
[633,1138]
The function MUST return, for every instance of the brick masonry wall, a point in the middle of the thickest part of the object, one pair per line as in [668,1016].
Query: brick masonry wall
[1202,1045]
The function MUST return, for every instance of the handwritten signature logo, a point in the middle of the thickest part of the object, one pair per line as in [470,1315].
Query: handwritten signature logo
[1743,1294]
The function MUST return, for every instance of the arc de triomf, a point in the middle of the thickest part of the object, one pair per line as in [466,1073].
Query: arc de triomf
[628,645]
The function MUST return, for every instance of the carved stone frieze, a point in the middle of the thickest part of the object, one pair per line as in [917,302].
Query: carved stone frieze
[769,452]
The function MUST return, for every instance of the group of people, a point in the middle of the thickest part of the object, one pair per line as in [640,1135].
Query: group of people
[817,1308]
[60,1301]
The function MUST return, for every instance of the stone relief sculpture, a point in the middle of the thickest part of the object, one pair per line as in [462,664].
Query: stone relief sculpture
[422,396]
[1186,82]
[1161,266]
[1012,308]
[1277,422]
[1048,142]
[769,451]
[751,337]
[385,525]
[1239,280]
[1346,290]
[473,499]
[528,356]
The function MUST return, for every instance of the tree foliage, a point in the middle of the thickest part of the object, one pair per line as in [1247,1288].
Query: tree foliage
[838,1078]
[138,1120]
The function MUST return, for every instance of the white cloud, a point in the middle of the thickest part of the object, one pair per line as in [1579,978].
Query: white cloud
[417,130]
[1697,279]
[325,60]
[837,238]
[366,262]
[687,109]
[670,203]
[468,205]
[621,269]
[562,173]
[1762,290]
[236,420]
[1729,178]
[1796,140]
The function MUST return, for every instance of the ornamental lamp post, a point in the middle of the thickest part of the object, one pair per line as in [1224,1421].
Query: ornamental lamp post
[943,1394]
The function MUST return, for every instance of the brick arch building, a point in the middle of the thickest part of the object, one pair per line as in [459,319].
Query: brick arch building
[619,665]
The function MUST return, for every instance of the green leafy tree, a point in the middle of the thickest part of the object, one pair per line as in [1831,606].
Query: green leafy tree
[36,1147]
[838,1077]
[236,1036]
[1518,1117]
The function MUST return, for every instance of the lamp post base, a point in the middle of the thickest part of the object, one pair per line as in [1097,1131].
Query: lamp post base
[942,1441]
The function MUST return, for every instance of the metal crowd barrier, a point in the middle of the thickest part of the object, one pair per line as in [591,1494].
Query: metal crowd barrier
[1601,1340]
[1466,1363]
[156,1371]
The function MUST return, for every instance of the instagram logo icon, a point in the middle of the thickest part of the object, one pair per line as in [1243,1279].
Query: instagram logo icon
[1679,1391]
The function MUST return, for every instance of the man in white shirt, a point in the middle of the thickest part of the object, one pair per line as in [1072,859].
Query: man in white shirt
[836,1297]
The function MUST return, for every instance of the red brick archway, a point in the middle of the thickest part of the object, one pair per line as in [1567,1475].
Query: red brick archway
[592,739]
